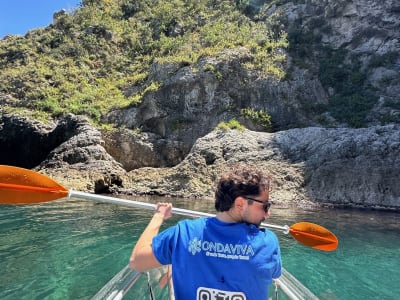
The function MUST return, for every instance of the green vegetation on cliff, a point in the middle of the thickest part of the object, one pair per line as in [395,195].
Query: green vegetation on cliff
[97,58]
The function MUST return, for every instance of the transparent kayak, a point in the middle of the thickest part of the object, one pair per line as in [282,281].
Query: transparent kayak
[156,284]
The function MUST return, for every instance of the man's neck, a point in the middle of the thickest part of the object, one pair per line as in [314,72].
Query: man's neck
[228,216]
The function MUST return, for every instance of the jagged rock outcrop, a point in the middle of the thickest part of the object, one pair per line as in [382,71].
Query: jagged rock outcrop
[71,151]
[338,167]
[81,145]
[347,167]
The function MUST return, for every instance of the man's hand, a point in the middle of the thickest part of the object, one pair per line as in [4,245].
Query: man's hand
[164,210]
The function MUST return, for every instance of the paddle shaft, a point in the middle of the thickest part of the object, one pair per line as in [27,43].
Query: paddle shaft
[23,186]
[150,206]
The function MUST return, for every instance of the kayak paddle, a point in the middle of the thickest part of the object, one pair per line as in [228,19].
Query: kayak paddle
[23,186]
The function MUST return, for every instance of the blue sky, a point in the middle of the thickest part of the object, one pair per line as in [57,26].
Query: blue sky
[20,16]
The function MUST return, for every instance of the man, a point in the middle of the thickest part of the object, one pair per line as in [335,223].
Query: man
[223,257]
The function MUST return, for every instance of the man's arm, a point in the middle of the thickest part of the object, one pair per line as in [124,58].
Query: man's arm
[142,257]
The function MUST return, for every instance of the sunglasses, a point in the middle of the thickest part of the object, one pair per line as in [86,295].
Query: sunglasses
[266,204]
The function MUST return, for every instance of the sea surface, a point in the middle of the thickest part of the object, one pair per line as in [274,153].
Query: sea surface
[69,249]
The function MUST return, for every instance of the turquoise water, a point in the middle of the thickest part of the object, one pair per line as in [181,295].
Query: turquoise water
[70,249]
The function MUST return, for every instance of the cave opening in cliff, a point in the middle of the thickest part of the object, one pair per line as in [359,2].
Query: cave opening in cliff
[23,151]
[23,144]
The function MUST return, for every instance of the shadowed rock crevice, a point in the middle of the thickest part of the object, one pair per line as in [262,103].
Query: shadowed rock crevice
[27,144]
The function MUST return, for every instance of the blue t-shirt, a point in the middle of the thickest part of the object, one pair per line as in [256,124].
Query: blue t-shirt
[212,259]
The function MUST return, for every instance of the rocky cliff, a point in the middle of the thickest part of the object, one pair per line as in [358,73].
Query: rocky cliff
[310,166]
[334,138]
[342,69]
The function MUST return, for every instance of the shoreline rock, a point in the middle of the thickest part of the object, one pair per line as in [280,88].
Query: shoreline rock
[338,167]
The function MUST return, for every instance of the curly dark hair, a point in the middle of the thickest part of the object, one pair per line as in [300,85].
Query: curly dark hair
[242,180]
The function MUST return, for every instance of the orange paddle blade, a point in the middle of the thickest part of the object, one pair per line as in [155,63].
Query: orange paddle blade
[314,236]
[22,186]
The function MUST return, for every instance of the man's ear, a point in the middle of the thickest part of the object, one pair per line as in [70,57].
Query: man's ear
[240,203]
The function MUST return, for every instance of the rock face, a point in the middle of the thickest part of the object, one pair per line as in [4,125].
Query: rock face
[347,167]
[71,151]
[337,167]
[192,103]
[358,41]
[143,149]
[365,30]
